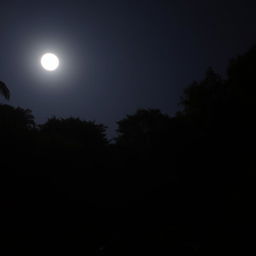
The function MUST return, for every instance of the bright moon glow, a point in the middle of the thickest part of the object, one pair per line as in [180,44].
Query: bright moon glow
[49,61]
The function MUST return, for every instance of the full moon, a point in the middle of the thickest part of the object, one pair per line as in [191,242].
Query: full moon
[49,61]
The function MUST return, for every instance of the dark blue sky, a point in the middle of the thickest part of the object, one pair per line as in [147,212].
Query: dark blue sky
[116,56]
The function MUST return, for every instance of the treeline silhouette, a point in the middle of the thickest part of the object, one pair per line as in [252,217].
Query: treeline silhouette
[167,185]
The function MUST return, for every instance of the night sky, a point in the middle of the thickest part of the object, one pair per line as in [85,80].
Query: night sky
[116,56]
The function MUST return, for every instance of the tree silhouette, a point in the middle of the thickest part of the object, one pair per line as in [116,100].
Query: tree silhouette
[206,103]
[241,83]
[73,130]
[16,126]
[4,91]
[144,130]
[15,119]
[224,105]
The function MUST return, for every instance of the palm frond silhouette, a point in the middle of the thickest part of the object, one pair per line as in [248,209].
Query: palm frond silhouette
[4,91]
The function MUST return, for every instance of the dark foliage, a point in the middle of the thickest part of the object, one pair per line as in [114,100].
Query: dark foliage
[74,130]
[16,119]
[143,130]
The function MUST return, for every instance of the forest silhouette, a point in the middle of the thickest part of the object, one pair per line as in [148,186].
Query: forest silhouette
[176,185]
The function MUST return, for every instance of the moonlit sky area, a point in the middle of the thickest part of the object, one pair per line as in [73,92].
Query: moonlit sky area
[116,56]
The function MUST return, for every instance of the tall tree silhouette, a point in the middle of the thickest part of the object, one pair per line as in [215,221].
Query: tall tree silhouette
[16,125]
[205,102]
[242,83]
[4,91]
